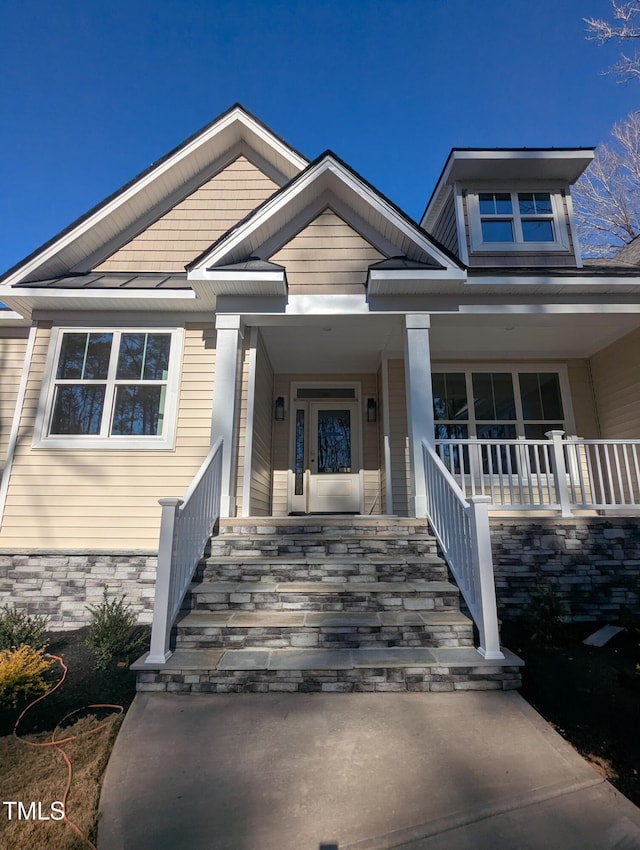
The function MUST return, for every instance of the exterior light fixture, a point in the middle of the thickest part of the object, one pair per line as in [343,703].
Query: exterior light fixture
[372,410]
[279,409]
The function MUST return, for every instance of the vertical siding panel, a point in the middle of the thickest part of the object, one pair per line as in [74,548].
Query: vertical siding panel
[616,383]
[13,346]
[262,434]
[399,439]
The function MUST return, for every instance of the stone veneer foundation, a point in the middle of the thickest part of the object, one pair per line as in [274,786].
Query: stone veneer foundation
[61,584]
[592,563]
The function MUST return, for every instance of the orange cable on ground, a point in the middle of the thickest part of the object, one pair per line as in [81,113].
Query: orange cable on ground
[57,742]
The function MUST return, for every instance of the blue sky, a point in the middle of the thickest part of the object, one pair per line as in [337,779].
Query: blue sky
[93,92]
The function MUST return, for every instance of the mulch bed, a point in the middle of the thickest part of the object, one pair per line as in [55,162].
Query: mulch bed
[591,695]
[84,685]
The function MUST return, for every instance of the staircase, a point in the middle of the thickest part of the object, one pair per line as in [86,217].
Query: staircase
[324,604]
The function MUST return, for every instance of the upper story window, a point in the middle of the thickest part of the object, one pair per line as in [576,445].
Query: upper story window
[111,388]
[517,221]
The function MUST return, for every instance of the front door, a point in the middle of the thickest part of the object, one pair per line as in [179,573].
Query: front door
[326,463]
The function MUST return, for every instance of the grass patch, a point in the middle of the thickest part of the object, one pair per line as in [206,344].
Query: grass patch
[40,774]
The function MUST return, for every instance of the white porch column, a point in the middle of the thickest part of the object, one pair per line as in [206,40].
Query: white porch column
[417,368]
[223,419]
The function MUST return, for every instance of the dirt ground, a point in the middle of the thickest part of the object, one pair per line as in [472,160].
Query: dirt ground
[591,695]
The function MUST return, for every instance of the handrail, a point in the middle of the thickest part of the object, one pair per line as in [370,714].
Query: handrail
[560,473]
[185,527]
[462,529]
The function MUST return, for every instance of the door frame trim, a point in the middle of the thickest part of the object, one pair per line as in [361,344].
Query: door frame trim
[293,401]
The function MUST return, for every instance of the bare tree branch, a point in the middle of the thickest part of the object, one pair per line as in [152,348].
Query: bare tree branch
[607,196]
[624,27]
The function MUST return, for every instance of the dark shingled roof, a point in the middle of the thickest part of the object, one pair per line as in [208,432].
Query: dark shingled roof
[111,280]
[404,263]
[253,264]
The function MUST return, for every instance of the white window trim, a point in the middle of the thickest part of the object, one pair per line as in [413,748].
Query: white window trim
[166,441]
[560,230]
[469,368]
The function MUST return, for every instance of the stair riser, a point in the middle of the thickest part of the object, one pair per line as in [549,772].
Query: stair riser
[383,680]
[351,601]
[365,571]
[303,548]
[342,637]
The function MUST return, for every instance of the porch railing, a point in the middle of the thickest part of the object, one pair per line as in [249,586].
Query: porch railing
[185,527]
[560,473]
[462,529]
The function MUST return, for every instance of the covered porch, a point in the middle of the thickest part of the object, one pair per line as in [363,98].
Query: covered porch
[536,411]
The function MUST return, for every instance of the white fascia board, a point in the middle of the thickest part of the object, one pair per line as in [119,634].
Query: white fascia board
[534,309]
[144,182]
[571,283]
[11,317]
[326,305]
[106,294]
[419,275]
[237,277]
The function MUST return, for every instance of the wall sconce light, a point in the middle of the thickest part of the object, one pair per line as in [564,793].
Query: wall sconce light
[279,409]
[372,410]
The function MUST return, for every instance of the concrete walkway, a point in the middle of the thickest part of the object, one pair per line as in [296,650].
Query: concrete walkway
[452,771]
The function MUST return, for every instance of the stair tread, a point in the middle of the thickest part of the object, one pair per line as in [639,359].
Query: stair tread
[305,560]
[324,659]
[319,619]
[322,587]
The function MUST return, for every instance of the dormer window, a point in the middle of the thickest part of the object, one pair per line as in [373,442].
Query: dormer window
[517,221]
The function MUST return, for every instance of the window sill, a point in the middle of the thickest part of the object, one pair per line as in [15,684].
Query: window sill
[105,444]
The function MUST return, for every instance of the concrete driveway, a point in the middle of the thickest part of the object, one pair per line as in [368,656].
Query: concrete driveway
[461,771]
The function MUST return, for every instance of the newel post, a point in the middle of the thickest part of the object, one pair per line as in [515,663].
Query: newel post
[559,470]
[489,635]
[162,603]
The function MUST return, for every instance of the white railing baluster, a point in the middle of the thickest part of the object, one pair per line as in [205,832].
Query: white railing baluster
[462,529]
[185,527]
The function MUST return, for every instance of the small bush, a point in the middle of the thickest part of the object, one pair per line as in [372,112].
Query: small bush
[546,613]
[17,628]
[21,674]
[112,632]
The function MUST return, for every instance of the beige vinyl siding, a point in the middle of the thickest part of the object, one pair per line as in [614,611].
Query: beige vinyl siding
[187,230]
[616,381]
[398,439]
[370,441]
[260,504]
[13,346]
[445,229]
[521,258]
[91,499]
[582,400]
[327,256]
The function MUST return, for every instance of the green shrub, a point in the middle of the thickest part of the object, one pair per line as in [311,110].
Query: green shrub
[113,633]
[546,612]
[17,628]
[21,674]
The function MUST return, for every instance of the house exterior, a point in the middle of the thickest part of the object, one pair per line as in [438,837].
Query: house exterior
[236,294]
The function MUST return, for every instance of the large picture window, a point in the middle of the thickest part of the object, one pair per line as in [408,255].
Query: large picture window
[497,405]
[112,387]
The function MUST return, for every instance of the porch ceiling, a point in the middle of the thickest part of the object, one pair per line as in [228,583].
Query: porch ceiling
[334,344]
[513,336]
[350,344]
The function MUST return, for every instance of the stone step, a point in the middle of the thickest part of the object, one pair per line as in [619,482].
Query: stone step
[273,594]
[344,525]
[341,670]
[323,543]
[252,567]
[279,629]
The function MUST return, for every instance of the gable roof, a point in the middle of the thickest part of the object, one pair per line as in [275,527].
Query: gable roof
[155,189]
[327,182]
